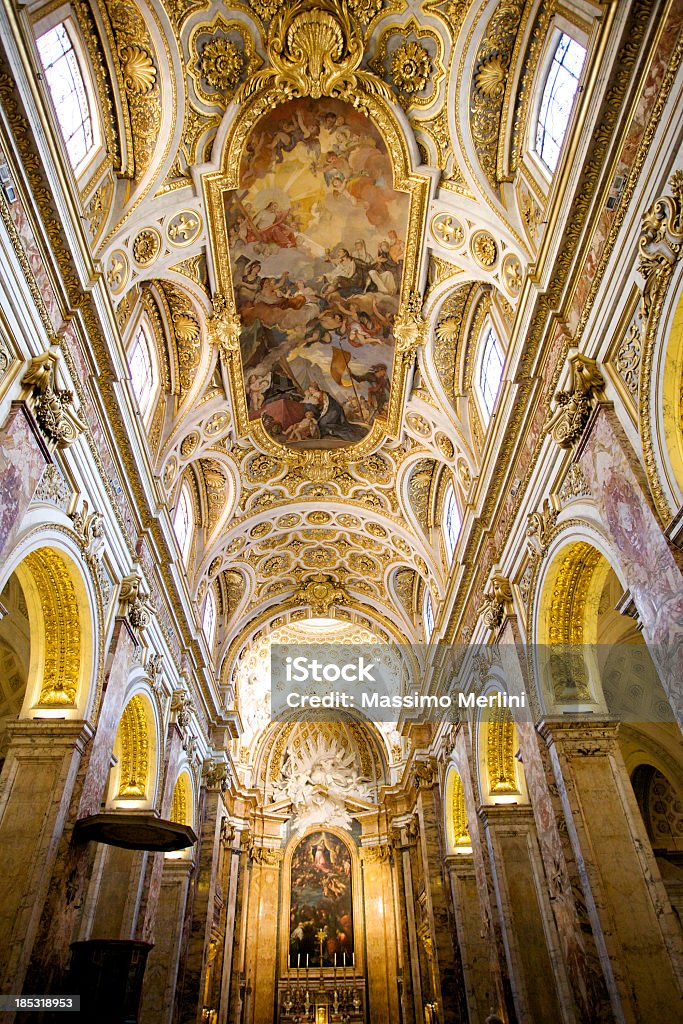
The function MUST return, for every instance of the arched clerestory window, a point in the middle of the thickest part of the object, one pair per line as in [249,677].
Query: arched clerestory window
[63,66]
[557,100]
[488,370]
[209,618]
[183,522]
[144,370]
[450,522]
[427,614]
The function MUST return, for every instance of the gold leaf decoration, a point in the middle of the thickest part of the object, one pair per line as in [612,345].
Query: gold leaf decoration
[185,326]
[222,63]
[410,67]
[490,78]
[139,73]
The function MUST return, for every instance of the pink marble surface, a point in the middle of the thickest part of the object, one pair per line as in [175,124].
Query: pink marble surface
[651,571]
[22,462]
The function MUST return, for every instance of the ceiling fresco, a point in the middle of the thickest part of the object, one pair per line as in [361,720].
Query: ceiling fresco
[317,240]
[314,240]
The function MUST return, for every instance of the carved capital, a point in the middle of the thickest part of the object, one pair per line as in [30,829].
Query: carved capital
[181,707]
[567,421]
[379,854]
[425,773]
[265,855]
[215,775]
[52,405]
[90,529]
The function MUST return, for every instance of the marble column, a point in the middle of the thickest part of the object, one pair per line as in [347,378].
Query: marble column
[153,869]
[23,457]
[238,959]
[626,899]
[447,966]
[652,568]
[161,975]
[191,989]
[588,973]
[502,1002]
[405,841]
[479,988]
[36,788]
[261,949]
[232,898]
[66,896]
[380,935]
[535,968]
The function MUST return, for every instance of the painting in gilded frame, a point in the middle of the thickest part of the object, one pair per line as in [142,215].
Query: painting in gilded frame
[316,235]
[321,901]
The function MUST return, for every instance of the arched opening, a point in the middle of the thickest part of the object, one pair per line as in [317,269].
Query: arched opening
[661,807]
[15,657]
[48,637]
[457,830]
[181,805]
[501,772]
[133,777]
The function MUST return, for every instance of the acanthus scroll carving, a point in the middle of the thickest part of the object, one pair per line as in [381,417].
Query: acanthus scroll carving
[573,406]
[52,405]
[315,49]
[661,240]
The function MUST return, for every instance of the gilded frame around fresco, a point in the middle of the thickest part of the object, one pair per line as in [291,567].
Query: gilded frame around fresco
[358,929]
[317,64]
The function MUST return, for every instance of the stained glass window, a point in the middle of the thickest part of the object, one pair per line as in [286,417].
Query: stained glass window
[558,98]
[67,88]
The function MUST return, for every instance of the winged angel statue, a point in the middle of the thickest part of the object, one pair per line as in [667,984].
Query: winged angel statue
[317,779]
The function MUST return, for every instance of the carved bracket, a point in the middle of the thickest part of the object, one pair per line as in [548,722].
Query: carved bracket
[661,240]
[573,406]
[136,603]
[52,405]
[215,775]
[497,602]
[540,526]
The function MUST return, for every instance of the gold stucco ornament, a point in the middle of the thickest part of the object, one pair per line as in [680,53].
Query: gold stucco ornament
[222,63]
[410,67]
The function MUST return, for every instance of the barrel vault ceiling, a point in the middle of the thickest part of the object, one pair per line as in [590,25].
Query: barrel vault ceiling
[281,537]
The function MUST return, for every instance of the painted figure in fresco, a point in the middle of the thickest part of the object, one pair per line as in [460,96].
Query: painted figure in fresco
[316,249]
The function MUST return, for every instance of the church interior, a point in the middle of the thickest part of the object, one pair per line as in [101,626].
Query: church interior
[343,326]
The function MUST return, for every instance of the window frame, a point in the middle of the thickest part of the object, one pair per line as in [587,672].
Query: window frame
[210,603]
[486,414]
[450,538]
[64,16]
[184,498]
[560,26]
[147,408]
[428,620]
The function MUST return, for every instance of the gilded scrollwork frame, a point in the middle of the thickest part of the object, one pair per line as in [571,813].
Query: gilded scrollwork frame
[311,74]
